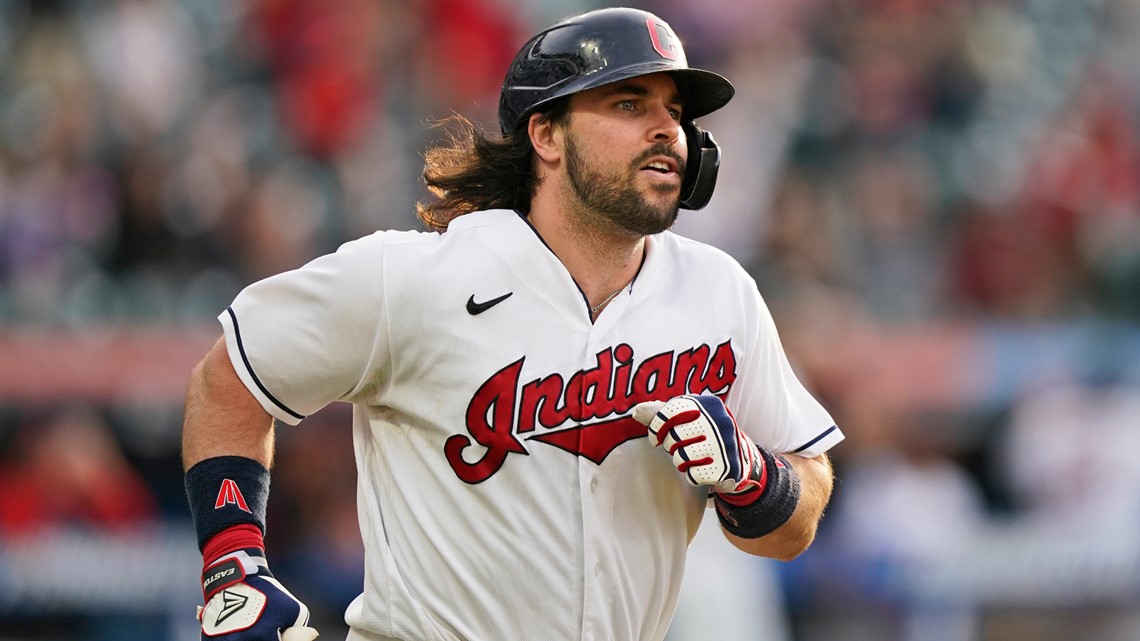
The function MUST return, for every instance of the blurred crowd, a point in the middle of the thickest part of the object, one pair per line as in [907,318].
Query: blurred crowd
[939,199]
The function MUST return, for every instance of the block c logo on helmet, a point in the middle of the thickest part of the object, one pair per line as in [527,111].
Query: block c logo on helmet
[664,42]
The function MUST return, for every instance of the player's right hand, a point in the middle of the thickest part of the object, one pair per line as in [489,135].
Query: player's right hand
[244,602]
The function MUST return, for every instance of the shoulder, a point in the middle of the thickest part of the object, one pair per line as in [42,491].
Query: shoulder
[480,220]
[686,255]
[410,242]
[460,230]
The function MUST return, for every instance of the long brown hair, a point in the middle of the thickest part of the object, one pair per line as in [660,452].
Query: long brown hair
[475,170]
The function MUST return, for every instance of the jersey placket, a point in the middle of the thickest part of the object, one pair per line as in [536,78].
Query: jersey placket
[597,504]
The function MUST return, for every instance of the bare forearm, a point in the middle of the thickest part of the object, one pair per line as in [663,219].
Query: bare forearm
[793,537]
[222,418]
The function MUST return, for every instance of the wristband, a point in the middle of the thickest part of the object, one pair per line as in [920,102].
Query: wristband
[224,492]
[759,511]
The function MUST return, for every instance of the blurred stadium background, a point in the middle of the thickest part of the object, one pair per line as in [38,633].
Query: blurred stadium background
[940,200]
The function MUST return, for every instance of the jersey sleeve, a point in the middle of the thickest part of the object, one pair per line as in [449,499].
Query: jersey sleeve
[305,338]
[769,401]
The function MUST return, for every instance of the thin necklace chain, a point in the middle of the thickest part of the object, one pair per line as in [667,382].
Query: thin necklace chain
[594,310]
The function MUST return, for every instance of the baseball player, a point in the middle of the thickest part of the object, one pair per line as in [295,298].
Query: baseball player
[549,387]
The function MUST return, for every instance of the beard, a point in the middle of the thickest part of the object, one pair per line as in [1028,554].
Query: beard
[616,197]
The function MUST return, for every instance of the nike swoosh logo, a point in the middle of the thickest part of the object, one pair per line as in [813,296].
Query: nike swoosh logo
[475,309]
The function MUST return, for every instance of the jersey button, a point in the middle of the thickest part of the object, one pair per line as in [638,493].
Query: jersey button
[594,485]
[597,569]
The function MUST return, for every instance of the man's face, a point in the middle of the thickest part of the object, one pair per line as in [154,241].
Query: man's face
[625,152]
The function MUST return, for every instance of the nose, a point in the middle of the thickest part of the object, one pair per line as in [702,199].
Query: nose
[664,127]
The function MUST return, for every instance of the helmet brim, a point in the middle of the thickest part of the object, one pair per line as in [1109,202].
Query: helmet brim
[704,91]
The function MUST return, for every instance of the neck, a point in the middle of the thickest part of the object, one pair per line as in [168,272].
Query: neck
[600,258]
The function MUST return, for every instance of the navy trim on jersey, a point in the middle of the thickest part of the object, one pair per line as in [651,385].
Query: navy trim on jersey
[816,439]
[526,219]
[249,368]
[644,253]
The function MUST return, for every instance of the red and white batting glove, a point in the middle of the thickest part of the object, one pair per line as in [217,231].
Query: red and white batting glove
[707,446]
[243,600]
[755,491]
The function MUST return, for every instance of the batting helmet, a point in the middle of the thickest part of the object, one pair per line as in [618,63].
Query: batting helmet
[608,45]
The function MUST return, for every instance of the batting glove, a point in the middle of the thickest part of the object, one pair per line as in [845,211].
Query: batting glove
[707,446]
[245,603]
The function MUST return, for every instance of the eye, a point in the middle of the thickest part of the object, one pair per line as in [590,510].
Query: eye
[675,113]
[626,105]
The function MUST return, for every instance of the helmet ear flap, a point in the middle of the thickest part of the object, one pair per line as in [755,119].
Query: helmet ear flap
[701,168]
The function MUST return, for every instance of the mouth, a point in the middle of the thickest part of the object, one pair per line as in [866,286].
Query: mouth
[662,166]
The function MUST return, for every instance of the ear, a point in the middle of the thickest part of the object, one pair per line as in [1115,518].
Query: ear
[545,137]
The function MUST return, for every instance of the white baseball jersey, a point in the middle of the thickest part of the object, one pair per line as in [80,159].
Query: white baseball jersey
[505,492]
